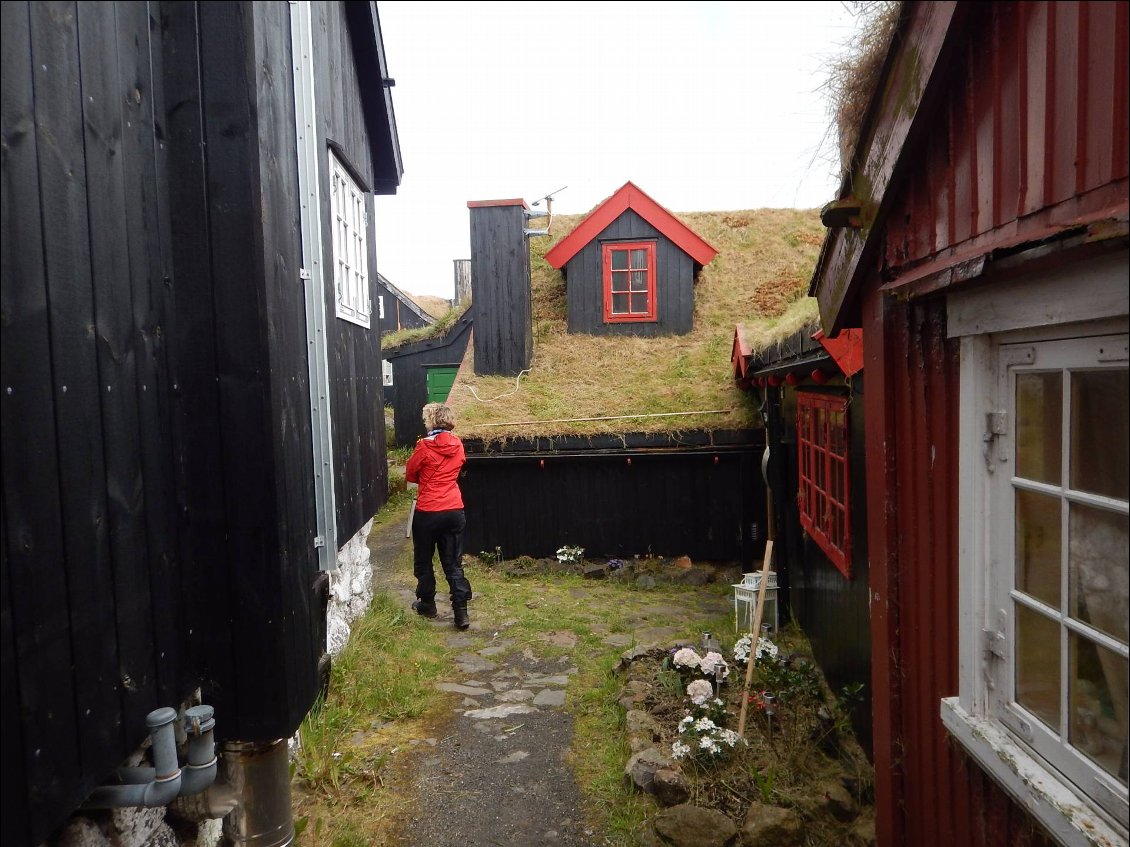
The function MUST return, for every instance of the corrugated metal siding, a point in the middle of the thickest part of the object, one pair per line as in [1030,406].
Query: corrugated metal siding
[1025,137]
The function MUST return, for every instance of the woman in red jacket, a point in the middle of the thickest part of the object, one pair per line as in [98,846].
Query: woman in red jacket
[438,521]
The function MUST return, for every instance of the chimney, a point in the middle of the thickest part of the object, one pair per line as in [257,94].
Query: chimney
[462,281]
[500,268]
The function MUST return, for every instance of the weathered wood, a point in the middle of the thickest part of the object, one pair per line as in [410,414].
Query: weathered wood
[613,503]
[674,283]
[29,464]
[500,266]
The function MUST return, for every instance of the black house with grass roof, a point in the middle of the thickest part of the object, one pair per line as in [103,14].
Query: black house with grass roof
[630,267]
[658,454]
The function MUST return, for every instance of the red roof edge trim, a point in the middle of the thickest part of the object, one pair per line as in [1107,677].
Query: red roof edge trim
[846,349]
[479,204]
[630,196]
[740,357]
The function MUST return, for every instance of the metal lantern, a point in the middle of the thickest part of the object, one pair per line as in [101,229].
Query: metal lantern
[745,601]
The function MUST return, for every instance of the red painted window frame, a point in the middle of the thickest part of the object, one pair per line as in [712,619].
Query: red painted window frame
[824,474]
[606,262]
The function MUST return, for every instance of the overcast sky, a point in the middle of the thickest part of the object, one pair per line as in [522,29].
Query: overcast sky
[705,106]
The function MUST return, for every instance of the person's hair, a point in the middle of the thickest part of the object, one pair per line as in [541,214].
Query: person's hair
[438,416]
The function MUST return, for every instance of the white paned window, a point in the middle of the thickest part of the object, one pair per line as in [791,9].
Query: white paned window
[350,223]
[1045,533]
[381,306]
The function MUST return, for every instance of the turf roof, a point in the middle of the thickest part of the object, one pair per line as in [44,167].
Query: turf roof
[666,384]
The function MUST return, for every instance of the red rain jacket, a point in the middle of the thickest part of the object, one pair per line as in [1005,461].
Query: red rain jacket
[435,466]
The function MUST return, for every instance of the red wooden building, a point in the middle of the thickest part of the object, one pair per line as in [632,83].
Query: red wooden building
[980,242]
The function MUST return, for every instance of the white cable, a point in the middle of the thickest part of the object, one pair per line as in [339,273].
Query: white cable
[471,388]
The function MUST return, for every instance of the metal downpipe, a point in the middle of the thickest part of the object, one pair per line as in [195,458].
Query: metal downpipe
[259,777]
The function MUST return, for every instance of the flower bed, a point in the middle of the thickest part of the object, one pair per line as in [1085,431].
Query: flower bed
[795,777]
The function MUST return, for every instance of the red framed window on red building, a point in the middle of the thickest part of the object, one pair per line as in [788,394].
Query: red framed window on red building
[629,281]
[824,499]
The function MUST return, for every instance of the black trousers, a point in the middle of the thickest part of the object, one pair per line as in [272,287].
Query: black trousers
[441,531]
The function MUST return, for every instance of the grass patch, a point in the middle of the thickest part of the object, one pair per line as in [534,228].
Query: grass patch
[400,337]
[762,270]
[381,695]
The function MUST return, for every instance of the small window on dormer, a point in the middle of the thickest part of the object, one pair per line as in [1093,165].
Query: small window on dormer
[629,282]
[350,224]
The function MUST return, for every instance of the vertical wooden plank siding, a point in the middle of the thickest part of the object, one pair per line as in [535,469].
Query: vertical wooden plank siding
[1025,137]
[882,534]
[202,525]
[834,612]
[500,266]
[927,792]
[301,635]
[119,427]
[33,508]
[674,289]
[665,503]
[361,475]
[156,567]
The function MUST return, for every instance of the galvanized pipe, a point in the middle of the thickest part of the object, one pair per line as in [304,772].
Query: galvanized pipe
[259,776]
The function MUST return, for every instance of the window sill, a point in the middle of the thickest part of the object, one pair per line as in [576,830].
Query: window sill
[1070,820]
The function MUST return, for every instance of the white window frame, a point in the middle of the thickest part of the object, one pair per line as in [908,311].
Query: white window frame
[1078,301]
[349,221]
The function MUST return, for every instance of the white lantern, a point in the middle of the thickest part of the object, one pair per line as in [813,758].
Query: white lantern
[745,601]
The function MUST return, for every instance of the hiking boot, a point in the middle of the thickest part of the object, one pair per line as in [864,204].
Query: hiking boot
[462,619]
[425,608]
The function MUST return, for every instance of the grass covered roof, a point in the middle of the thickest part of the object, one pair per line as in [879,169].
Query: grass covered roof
[665,384]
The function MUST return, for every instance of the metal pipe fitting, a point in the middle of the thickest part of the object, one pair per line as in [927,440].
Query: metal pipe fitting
[259,774]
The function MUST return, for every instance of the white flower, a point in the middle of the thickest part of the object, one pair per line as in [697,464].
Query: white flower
[765,648]
[729,736]
[705,724]
[741,650]
[685,722]
[679,750]
[712,661]
[686,658]
[709,744]
[718,702]
[699,691]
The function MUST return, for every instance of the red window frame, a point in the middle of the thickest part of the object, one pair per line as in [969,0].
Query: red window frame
[648,314]
[824,498]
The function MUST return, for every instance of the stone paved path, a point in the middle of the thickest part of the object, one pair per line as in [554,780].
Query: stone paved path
[498,775]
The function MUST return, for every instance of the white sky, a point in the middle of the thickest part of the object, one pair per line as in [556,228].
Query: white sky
[705,106]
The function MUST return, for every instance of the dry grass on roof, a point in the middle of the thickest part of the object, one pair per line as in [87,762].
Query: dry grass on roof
[855,73]
[764,263]
[437,307]
[400,337]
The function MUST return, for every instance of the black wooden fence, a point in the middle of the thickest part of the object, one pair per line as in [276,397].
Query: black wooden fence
[698,494]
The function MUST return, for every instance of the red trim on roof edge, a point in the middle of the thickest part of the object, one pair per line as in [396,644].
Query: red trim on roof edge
[846,349]
[630,196]
[479,204]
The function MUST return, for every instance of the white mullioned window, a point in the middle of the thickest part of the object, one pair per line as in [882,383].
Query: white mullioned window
[350,224]
[1045,529]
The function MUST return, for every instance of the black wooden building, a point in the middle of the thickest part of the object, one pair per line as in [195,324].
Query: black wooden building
[500,271]
[414,366]
[811,394]
[633,494]
[630,268]
[170,490]
[395,309]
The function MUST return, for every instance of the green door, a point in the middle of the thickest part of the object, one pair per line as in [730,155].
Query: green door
[440,379]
